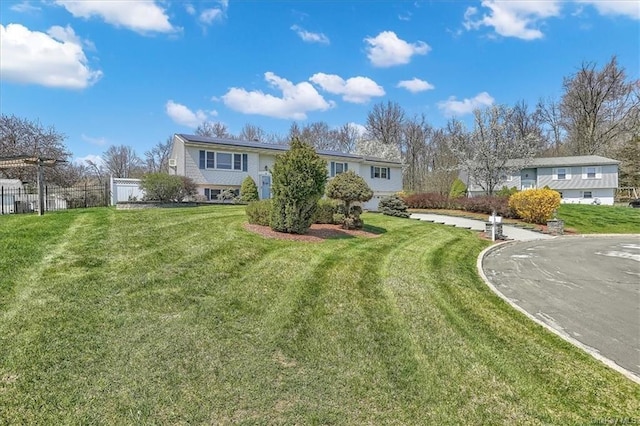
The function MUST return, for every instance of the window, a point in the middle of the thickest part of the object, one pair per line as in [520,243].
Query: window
[210,160]
[587,194]
[591,172]
[223,161]
[337,168]
[561,173]
[380,172]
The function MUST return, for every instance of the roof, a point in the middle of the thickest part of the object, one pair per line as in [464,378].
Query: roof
[205,140]
[579,160]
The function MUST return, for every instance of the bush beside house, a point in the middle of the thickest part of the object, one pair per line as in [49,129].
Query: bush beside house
[535,205]
[299,178]
[349,187]
[165,188]
[249,190]
[393,206]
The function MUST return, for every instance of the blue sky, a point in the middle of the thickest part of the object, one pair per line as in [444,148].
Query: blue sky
[135,72]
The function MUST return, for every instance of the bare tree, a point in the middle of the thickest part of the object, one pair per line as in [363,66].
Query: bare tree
[121,161]
[600,108]
[442,164]
[347,136]
[251,132]
[550,115]
[529,124]
[486,150]
[96,171]
[384,123]
[416,133]
[20,136]
[157,158]
[213,130]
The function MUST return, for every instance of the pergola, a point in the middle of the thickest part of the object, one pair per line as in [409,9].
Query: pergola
[40,163]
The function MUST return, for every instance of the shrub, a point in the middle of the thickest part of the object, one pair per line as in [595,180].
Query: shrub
[535,205]
[487,204]
[259,212]
[299,177]
[227,194]
[249,190]
[458,189]
[506,192]
[164,187]
[349,187]
[324,211]
[338,218]
[429,200]
[393,206]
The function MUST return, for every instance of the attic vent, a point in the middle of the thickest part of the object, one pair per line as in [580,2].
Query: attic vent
[173,162]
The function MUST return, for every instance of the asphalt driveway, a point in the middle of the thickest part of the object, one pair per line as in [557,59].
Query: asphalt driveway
[586,288]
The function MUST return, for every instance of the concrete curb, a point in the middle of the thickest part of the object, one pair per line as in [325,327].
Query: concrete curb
[591,351]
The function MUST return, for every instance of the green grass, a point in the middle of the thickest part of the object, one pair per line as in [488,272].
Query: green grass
[180,316]
[589,219]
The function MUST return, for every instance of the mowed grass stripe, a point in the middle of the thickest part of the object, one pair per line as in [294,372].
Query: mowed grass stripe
[182,316]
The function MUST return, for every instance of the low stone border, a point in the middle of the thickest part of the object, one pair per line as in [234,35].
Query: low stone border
[591,351]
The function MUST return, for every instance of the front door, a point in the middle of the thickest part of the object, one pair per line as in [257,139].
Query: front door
[265,187]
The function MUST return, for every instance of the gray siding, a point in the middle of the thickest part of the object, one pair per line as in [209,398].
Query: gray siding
[608,179]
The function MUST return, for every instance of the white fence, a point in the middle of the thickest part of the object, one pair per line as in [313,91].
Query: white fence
[123,189]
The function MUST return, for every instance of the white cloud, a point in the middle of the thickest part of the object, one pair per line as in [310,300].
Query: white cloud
[55,59]
[518,19]
[82,161]
[630,8]
[183,115]
[356,89]
[24,7]
[94,141]
[416,85]
[190,9]
[452,107]
[386,49]
[138,15]
[296,100]
[208,16]
[310,37]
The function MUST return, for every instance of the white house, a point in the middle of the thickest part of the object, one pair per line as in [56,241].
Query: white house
[587,179]
[216,164]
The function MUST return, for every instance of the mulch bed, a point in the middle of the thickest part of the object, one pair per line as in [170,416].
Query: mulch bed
[317,233]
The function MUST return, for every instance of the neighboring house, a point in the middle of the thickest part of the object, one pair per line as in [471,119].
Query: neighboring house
[588,179]
[216,164]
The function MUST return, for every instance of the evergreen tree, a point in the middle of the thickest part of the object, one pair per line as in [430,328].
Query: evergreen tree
[299,176]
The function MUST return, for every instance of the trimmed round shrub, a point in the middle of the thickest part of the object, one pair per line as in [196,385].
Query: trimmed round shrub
[349,187]
[259,212]
[393,206]
[535,205]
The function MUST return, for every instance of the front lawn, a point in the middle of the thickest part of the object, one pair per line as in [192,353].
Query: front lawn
[181,316]
[590,219]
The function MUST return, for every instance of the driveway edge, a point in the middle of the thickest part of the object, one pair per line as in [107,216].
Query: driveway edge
[591,351]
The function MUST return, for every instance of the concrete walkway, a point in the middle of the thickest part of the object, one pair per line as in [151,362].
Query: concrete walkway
[510,232]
